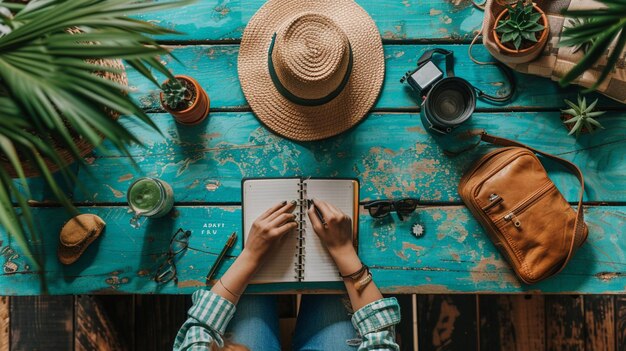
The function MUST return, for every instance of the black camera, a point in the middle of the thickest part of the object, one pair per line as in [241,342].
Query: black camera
[446,101]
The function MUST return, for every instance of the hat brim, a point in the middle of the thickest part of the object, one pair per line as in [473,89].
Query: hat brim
[307,123]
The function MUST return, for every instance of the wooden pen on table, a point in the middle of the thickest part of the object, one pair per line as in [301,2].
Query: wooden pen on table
[229,243]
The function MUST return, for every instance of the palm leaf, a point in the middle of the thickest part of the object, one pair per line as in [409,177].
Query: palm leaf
[49,92]
[595,52]
[601,28]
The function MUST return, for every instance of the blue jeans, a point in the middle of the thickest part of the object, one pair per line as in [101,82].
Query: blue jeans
[323,324]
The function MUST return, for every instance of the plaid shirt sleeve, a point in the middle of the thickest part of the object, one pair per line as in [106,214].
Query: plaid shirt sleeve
[375,323]
[208,318]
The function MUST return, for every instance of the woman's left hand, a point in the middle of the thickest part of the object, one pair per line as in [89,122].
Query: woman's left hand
[267,230]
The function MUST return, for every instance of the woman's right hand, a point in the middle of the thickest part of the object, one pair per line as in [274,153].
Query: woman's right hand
[335,232]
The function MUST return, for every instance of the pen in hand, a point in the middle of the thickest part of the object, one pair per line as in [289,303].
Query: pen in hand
[317,212]
[229,243]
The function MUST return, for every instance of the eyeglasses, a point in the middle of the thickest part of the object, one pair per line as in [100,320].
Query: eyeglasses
[382,208]
[178,244]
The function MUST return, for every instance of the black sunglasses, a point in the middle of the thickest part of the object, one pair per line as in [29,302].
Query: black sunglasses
[167,270]
[382,208]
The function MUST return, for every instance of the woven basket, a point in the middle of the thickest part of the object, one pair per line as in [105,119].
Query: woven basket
[83,145]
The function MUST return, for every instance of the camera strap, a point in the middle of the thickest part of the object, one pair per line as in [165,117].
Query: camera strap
[449,57]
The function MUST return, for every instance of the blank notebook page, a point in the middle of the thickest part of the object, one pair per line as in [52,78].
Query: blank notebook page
[318,265]
[258,196]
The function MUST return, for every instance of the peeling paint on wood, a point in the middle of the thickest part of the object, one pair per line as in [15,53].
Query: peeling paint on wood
[215,68]
[124,259]
[218,20]
[391,153]
[389,161]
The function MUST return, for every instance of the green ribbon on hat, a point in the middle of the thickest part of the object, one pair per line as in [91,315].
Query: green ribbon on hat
[299,100]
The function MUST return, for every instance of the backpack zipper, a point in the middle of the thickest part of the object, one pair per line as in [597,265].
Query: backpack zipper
[520,208]
[494,200]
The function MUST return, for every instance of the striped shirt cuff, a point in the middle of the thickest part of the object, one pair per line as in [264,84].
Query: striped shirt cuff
[212,310]
[377,315]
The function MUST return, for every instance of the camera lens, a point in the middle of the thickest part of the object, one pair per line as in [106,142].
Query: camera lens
[450,102]
[449,105]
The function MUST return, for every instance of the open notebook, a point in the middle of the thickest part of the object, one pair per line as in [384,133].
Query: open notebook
[301,256]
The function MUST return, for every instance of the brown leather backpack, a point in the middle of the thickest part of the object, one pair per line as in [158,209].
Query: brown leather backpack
[524,214]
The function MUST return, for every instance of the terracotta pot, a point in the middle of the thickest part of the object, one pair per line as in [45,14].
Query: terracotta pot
[199,109]
[525,54]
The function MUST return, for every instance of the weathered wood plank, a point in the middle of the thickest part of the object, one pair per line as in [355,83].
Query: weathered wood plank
[42,323]
[447,322]
[600,322]
[512,322]
[620,322]
[396,19]
[158,320]
[5,321]
[120,312]
[565,323]
[215,68]
[94,329]
[453,256]
[391,154]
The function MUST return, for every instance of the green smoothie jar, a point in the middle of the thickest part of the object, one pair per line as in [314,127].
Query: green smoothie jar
[150,197]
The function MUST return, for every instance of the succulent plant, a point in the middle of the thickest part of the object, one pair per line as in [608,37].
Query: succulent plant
[521,24]
[174,93]
[582,116]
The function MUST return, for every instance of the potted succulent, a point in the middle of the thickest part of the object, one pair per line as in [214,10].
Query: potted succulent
[521,31]
[185,99]
[579,118]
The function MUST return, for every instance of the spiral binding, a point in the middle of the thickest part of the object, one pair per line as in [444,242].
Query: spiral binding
[302,205]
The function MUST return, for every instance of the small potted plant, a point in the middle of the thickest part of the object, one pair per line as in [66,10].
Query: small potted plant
[579,118]
[521,31]
[185,99]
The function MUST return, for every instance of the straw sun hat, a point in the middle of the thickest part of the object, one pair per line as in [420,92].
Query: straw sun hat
[311,69]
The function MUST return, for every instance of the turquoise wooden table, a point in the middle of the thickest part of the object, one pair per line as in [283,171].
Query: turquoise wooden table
[390,152]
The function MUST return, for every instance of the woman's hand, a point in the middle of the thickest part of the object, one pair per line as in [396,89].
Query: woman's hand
[267,230]
[335,231]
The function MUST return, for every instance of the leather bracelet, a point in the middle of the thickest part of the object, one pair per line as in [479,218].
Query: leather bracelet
[357,274]
[227,289]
